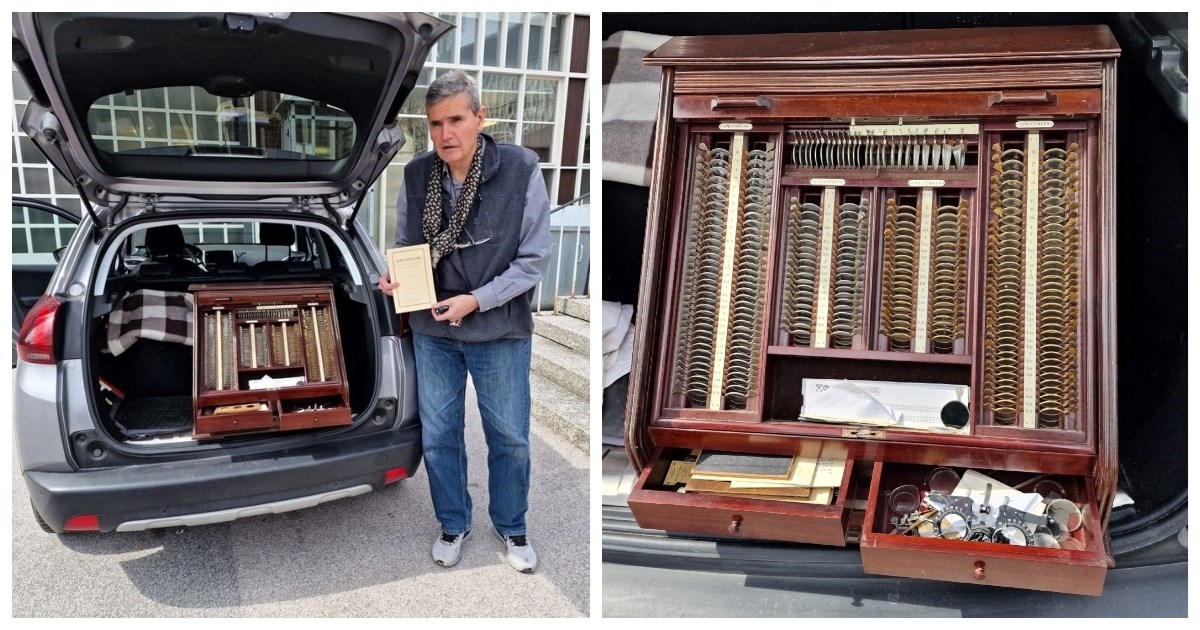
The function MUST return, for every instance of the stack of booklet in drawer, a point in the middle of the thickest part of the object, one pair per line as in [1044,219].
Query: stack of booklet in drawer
[811,476]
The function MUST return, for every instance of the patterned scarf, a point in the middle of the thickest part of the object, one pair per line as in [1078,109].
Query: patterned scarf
[442,243]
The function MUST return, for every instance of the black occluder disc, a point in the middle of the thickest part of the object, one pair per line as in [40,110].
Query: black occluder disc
[955,414]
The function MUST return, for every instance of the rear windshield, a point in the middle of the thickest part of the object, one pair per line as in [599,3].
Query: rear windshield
[228,250]
[188,121]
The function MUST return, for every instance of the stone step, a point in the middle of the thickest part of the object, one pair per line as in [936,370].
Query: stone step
[569,331]
[562,365]
[561,411]
[580,308]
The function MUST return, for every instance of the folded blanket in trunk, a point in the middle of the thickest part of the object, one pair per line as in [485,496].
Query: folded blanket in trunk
[151,314]
[630,106]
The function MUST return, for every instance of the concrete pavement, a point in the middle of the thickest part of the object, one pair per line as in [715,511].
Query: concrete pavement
[366,556]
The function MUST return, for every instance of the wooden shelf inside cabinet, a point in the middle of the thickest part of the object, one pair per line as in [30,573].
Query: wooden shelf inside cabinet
[268,357]
[877,177]
[798,229]
[870,355]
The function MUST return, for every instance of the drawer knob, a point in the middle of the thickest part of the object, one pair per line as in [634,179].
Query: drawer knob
[735,524]
[979,566]
[760,102]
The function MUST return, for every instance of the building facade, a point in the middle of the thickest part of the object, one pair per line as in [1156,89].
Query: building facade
[532,72]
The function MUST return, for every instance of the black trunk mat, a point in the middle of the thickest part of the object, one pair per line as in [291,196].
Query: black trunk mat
[145,417]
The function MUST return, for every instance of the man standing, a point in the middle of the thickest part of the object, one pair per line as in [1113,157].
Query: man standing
[482,207]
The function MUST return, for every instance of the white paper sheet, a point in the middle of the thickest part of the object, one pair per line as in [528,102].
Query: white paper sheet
[974,484]
[881,403]
[266,382]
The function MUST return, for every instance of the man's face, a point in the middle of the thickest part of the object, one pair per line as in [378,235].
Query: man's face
[454,129]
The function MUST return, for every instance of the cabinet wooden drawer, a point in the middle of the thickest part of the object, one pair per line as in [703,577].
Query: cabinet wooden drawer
[734,517]
[314,418]
[210,423]
[1060,570]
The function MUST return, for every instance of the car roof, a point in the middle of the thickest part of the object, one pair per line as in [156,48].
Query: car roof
[364,65]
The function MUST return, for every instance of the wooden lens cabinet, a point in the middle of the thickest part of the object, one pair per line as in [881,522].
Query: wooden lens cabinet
[916,206]
[252,332]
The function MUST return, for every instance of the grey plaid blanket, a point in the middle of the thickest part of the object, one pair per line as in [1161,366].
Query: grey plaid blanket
[631,93]
[150,314]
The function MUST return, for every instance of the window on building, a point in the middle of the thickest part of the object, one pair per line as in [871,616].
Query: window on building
[520,62]
[519,59]
[37,233]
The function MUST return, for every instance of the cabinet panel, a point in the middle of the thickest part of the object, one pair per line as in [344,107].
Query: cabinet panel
[718,341]
[772,107]
[865,250]
[1034,284]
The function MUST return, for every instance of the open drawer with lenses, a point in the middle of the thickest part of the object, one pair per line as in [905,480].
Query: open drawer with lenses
[953,524]
[659,501]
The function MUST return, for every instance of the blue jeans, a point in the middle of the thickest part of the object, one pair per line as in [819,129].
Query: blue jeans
[500,373]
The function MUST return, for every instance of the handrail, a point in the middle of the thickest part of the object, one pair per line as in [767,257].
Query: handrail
[575,260]
[572,202]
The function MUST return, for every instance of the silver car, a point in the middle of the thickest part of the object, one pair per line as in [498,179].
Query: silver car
[210,149]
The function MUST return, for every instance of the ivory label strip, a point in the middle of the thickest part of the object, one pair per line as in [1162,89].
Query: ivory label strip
[924,129]
[726,292]
[220,344]
[253,347]
[1033,152]
[921,336]
[824,264]
[317,341]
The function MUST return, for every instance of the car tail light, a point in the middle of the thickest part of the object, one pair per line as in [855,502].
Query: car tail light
[35,342]
[82,523]
[395,474]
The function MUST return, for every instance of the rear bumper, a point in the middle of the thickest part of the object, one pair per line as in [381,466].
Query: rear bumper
[657,578]
[223,487]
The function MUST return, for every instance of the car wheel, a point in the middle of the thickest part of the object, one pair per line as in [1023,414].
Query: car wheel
[40,521]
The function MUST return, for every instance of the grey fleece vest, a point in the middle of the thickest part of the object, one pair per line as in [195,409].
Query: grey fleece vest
[496,216]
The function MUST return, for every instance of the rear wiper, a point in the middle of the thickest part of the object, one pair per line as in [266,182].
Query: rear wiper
[216,150]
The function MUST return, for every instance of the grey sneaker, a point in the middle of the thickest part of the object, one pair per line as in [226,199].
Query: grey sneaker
[447,549]
[520,553]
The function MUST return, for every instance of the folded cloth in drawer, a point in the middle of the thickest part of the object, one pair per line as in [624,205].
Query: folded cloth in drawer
[151,314]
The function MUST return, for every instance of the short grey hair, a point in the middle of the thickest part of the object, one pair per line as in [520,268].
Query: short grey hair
[450,84]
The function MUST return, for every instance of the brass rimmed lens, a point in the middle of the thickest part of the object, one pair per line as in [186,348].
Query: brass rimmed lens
[1065,513]
[952,524]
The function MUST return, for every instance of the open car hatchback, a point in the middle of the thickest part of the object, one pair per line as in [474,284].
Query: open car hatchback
[258,138]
